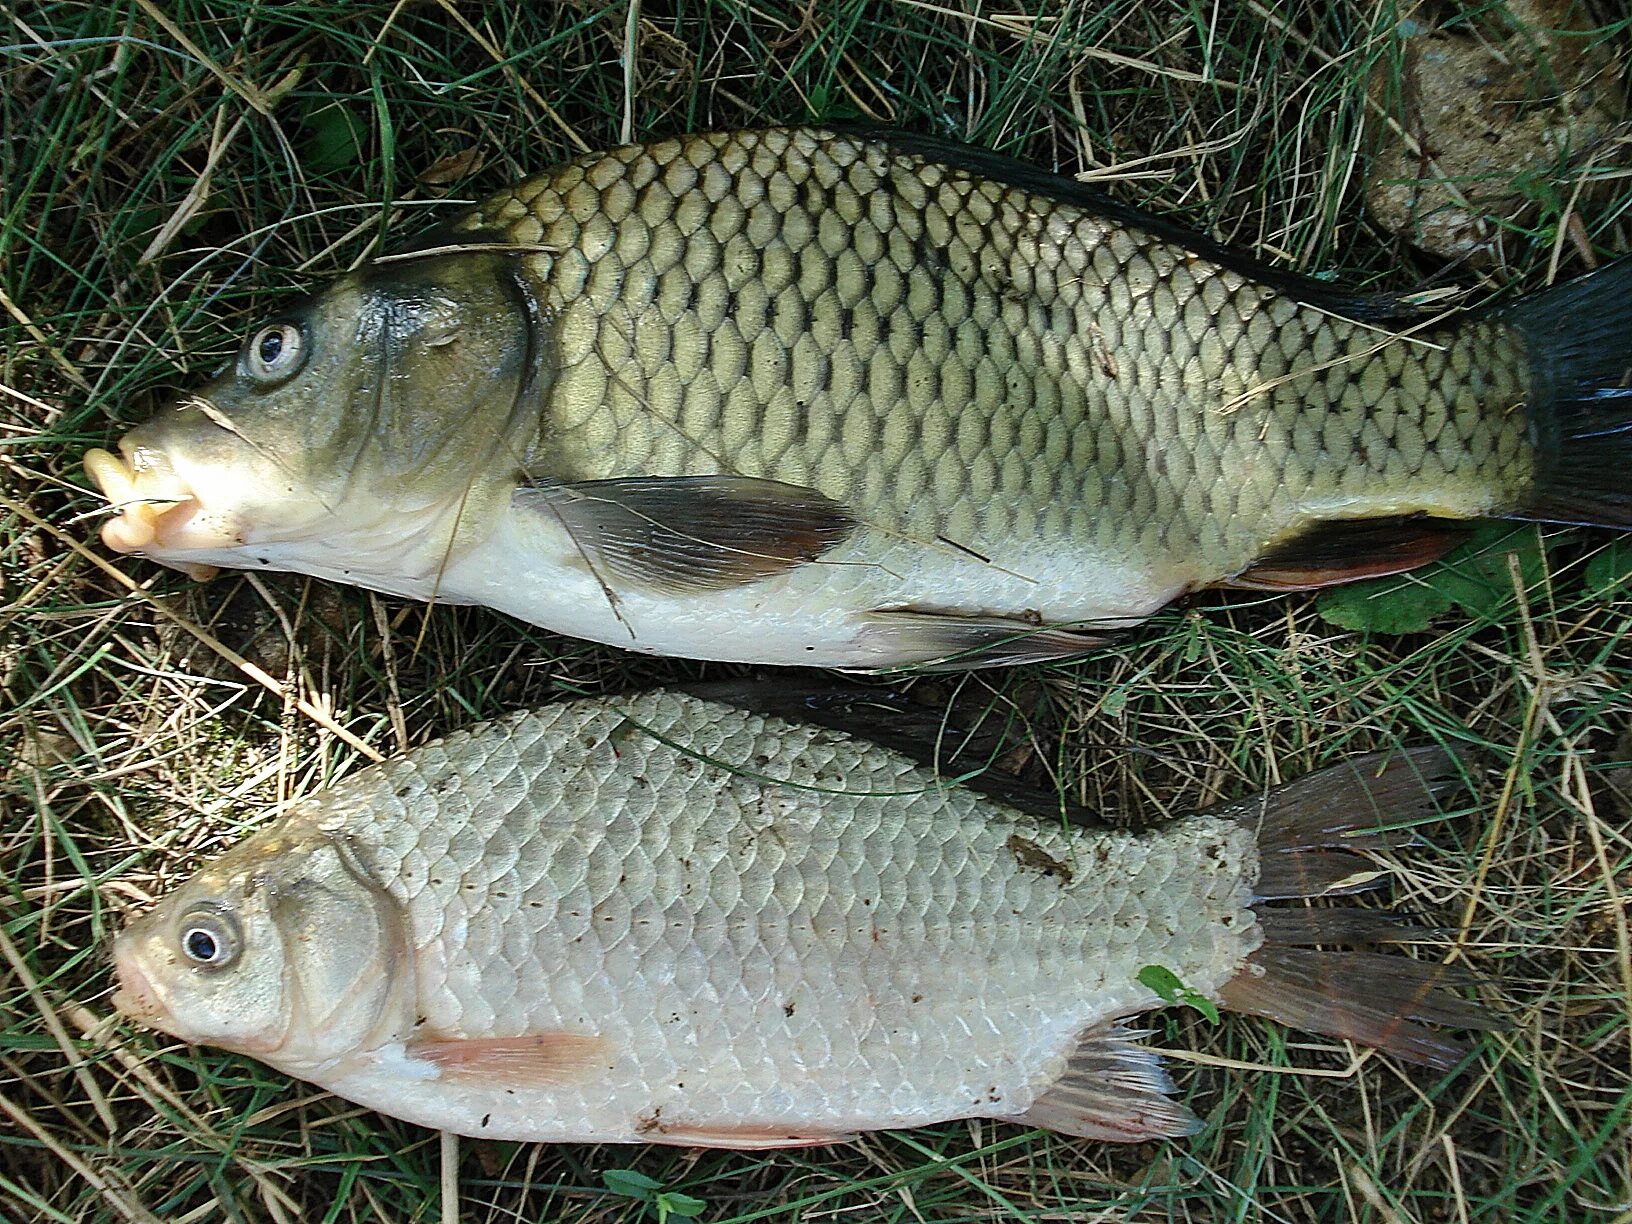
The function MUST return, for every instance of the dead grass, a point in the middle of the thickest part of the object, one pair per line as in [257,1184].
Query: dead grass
[170,168]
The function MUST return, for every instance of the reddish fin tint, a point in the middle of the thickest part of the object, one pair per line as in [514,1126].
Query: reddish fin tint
[1112,1089]
[536,1058]
[1308,831]
[1346,550]
[1374,1000]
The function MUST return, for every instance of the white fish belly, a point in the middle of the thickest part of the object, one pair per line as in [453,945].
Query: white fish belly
[822,612]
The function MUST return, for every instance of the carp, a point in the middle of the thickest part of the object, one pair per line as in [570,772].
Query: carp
[864,399]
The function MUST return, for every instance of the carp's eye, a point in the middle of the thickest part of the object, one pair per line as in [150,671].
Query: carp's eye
[208,939]
[274,353]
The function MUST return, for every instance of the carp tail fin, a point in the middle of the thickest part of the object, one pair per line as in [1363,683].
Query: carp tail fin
[1579,335]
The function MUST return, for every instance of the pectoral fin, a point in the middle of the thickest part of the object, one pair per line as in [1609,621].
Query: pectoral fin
[1112,1089]
[693,533]
[534,1058]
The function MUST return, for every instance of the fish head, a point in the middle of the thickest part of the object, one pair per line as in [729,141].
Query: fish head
[387,411]
[281,948]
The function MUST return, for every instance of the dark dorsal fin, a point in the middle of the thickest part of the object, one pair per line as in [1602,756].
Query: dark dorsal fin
[1364,307]
[930,737]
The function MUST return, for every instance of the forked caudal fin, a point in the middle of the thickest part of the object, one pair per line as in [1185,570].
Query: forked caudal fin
[1308,835]
[1580,339]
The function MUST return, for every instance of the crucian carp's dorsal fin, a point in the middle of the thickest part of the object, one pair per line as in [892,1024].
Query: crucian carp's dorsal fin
[959,749]
[684,534]
[1112,1089]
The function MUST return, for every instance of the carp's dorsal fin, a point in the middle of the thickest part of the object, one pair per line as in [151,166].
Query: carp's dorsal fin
[1112,1089]
[1346,550]
[685,534]
[955,748]
[951,641]
[1365,307]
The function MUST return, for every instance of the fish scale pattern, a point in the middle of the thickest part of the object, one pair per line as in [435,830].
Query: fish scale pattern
[852,943]
[954,356]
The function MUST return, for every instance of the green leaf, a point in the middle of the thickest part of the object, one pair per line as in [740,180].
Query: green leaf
[1382,605]
[1475,578]
[631,1183]
[672,1202]
[1610,570]
[335,139]
[1202,1004]
[1171,989]
[1162,980]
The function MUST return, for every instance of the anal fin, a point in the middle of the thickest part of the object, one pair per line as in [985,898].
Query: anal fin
[1112,1089]
[1346,550]
[685,534]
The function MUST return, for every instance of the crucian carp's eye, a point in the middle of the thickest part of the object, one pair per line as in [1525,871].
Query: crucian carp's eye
[208,939]
[274,353]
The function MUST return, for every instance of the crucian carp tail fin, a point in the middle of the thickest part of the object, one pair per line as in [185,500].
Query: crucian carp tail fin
[1579,336]
[1311,833]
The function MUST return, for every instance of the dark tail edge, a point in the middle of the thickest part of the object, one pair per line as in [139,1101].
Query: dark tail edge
[1309,834]
[1580,339]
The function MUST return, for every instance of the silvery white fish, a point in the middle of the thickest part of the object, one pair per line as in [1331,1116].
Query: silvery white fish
[862,399]
[663,918]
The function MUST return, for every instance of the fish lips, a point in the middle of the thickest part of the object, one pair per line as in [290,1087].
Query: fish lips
[135,997]
[158,512]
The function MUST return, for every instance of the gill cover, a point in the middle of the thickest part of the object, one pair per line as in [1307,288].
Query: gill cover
[349,976]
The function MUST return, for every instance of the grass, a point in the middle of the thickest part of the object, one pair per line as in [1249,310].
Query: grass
[172,169]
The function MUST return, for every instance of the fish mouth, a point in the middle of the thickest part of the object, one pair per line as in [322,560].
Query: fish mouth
[136,998]
[153,504]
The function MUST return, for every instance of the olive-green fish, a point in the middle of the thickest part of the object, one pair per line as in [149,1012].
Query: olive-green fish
[662,918]
[863,399]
